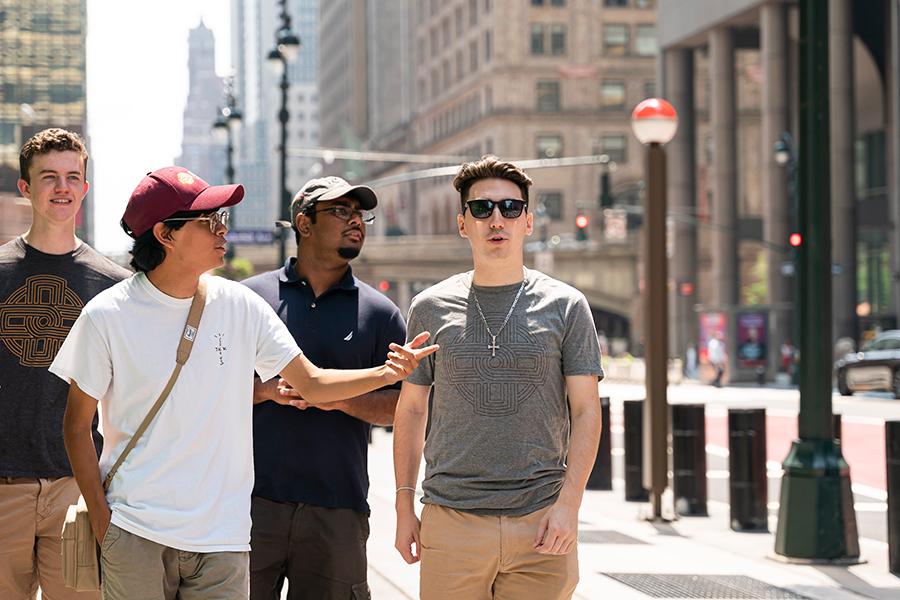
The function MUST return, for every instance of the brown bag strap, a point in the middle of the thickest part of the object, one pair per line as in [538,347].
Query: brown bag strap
[181,356]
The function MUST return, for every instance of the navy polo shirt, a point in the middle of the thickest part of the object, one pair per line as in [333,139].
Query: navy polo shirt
[317,456]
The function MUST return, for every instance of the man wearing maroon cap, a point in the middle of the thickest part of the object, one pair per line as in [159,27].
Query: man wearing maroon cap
[175,519]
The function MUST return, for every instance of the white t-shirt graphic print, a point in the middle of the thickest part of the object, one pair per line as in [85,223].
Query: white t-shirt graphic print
[187,483]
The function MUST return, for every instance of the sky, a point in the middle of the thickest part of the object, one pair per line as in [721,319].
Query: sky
[137,84]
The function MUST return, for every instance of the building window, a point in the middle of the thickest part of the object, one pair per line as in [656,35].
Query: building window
[615,39]
[435,83]
[445,72]
[615,146]
[650,88]
[615,3]
[537,2]
[422,93]
[612,95]
[434,42]
[537,39]
[488,46]
[552,203]
[473,56]
[558,2]
[460,66]
[549,146]
[487,7]
[557,40]
[473,12]
[645,40]
[458,17]
[548,96]
[645,3]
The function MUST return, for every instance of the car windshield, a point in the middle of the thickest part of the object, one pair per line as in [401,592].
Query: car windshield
[890,343]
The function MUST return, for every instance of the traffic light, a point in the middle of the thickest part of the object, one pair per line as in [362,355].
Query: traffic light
[795,240]
[581,227]
[606,198]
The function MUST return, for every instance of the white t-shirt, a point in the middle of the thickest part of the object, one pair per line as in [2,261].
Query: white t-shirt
[187,483]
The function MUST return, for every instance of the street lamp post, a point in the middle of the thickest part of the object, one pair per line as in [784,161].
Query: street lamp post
[287,47]
[227,122]
[655,122]
[816,518]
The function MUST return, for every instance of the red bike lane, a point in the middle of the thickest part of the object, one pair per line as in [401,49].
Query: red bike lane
[862,444]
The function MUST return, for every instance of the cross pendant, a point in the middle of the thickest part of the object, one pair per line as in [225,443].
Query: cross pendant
[493,347]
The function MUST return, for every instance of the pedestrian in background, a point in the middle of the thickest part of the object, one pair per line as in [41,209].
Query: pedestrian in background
[715,353]
[310,514]
[515,419]
[175,519]
[46,276]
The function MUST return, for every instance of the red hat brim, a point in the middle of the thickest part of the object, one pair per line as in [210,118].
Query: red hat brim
[218,196]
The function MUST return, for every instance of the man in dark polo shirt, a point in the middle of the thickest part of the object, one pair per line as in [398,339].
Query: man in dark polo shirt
[309,509]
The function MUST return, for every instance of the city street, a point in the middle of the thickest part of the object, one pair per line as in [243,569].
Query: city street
[863,417]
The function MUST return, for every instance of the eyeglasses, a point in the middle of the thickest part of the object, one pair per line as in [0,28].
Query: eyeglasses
[216,220]
[345,213]
[482,208]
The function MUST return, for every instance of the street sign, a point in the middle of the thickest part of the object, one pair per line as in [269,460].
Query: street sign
[251,236]
[615,224]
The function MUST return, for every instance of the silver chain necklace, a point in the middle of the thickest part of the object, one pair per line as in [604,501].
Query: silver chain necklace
[494,346]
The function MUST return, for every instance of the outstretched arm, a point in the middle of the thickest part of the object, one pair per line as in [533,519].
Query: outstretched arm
[319,386]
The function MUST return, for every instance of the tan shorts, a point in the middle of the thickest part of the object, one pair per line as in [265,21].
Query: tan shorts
[134,568]
[474,557]
[32,512]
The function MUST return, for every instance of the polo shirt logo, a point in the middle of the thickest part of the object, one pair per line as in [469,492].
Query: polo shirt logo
[349,336]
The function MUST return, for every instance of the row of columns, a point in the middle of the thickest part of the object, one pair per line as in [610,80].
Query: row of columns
[777,96]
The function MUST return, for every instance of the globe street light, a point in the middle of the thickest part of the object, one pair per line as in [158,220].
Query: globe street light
[227,122]
[286,50]
[654,122]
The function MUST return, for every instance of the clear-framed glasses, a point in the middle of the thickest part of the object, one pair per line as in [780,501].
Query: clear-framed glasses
[345,213]
[482,208]
[215,220]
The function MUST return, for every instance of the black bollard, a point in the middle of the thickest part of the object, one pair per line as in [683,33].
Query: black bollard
[892,448]
[748,482]
[836,425]
[689,459]
[601,474]
[633,424]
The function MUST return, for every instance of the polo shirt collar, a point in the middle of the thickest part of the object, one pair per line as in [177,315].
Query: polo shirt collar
[289,275]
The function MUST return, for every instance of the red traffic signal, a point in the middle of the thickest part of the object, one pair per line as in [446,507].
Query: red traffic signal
[384,286]
[581,221]
[795,240]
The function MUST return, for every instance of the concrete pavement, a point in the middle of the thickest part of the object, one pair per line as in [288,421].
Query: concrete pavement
[684,559]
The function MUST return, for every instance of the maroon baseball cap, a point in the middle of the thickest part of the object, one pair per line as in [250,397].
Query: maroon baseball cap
[171,190]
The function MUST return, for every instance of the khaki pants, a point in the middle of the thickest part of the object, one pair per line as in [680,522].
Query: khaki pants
[473,557]
[32,512]
[134,568]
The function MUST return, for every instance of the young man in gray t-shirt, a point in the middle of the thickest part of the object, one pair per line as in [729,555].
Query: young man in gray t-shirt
[515,417]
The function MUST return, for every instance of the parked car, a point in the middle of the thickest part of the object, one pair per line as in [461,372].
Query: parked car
[876,367]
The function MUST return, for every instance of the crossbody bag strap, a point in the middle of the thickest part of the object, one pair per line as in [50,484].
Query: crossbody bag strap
[181,356]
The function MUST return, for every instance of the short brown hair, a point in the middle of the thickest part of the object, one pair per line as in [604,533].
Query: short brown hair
[489,167]
[49,140]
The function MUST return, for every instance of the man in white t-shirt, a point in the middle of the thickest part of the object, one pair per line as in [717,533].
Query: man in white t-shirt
[175,520]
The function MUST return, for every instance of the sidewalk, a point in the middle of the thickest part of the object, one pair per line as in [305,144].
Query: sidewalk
[617,548]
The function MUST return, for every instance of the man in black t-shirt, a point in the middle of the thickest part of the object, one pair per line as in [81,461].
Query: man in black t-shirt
[309,509]
[46,276]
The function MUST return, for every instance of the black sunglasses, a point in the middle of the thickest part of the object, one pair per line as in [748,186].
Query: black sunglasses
[482,208]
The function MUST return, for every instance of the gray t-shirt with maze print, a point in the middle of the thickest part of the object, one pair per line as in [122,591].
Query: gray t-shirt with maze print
[500,419]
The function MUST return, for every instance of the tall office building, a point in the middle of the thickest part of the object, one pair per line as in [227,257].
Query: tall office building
[200,151]
[42,84]
[254,23]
